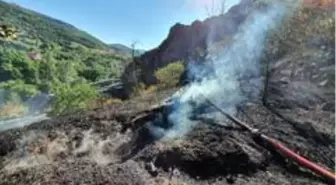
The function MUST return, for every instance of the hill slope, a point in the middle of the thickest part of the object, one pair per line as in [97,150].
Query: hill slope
[40,34]
[184,41]
[38,27]
[124,49]
[50,56]
[193,43]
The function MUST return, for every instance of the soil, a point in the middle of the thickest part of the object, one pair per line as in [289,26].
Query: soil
[102,147]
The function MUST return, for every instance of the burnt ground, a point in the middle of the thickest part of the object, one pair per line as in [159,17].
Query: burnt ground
[95,148]
[103,146]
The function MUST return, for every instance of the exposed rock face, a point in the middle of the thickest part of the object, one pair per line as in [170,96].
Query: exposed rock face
[183,41]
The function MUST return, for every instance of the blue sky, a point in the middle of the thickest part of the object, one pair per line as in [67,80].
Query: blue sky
[124,21]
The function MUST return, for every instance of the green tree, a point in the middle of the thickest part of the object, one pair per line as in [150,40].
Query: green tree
[66,71]
[17,88]
[17,65]
[91,74]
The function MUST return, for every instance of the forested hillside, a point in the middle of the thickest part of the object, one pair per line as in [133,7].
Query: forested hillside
[41,28]
[49,56]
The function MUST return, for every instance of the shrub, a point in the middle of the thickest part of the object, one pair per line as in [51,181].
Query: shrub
[18,87]
[70,98]
[169,76]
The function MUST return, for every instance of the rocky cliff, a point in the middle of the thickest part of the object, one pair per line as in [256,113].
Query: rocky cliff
[183,41]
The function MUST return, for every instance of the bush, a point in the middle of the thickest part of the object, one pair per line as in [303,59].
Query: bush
[71,98]
[169,76]
[19,88]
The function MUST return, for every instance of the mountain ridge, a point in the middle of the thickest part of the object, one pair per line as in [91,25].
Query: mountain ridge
[125,49]
[40,27]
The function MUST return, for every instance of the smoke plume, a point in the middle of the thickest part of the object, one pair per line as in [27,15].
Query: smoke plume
[16,112]
[234,76]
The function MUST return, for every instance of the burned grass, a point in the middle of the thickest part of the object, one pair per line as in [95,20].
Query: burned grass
[104,146]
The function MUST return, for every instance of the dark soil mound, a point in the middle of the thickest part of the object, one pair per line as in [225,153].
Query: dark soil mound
[210,152]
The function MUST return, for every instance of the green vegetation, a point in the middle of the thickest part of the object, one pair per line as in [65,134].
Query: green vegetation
[43,29]
[169,76]
[72,97]
[39,54]
[22,78]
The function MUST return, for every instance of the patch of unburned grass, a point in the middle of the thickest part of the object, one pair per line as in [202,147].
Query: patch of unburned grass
[101,102]
[141,90]
[11,110]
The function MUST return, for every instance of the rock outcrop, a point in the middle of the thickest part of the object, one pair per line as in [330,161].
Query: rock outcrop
[183,41]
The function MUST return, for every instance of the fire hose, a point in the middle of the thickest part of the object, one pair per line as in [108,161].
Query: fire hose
[280,147]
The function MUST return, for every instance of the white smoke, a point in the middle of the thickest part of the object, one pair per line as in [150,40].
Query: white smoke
[98,150]
[35,148]
[33,109]
[240,60]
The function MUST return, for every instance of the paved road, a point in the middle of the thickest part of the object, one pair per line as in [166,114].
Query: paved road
[20,122]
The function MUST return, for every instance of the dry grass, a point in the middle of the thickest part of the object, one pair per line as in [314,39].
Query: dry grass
[321,3]
[101,102]
[310,21]
[11,110]
[141,90]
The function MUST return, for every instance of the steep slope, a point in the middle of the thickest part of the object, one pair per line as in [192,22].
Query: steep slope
[39,33]
[36,27]
[184,41]
[201,39]
[48,55]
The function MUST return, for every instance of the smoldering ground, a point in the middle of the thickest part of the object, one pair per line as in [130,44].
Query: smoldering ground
[231,76]
[36,148]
